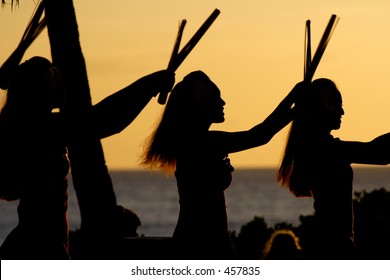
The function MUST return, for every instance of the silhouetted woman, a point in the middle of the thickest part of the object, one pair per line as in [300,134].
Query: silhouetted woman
[315,164]
[33,155]
[182,143]
[34,163]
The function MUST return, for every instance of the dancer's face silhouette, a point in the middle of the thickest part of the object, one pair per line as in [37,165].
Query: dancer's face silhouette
[210,101]
[331,110]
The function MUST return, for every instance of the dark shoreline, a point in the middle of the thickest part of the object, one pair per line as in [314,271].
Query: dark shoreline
[372,231]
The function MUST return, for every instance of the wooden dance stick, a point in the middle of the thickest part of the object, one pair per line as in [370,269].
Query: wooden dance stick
[195,39]
[321,47]
[177,59]
[172,61]
[307,53]
[171,64]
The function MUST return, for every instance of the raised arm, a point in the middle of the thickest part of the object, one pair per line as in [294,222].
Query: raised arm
[117,111]
[231,142]
[376,151]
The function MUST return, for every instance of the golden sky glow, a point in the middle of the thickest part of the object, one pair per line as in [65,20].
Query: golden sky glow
[253,52]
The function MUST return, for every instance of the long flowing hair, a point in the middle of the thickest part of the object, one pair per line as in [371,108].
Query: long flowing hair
[294,170]
[177,123]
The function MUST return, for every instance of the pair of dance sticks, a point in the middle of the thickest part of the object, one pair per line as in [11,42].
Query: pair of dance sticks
[310,64]
[36,25]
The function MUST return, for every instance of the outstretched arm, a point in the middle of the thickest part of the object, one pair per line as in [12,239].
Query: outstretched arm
[376,151]
[117,111]
[231,142]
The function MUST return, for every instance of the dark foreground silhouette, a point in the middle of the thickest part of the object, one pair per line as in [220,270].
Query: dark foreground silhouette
[372,228]
[183,144]
[34,163]
[316,164]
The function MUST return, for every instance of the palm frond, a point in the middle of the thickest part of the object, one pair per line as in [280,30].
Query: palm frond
[33,29]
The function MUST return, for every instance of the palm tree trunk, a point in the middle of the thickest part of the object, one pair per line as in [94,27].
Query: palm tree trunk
[90,176]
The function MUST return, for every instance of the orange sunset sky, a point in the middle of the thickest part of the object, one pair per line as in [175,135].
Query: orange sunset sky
[253,52]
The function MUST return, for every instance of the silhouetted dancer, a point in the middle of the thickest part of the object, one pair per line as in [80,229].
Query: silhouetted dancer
[100,215]
[315,164]
[33,163]
[182,143]
[34,156]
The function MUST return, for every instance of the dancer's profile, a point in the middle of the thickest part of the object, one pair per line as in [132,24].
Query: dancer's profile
[315,164]
[183,144]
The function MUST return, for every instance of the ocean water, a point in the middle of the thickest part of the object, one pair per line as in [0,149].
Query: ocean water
[253,192]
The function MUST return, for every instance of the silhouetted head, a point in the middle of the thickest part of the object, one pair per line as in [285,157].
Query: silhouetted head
[196,99]
[194,104]
[318,112]
[323,105]
[282,245]
[35,88]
